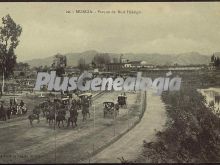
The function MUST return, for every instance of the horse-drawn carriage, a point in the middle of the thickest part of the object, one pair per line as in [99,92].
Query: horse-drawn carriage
[86,98]
[44,104]
[122,101]
[110,108]
[86,102]
[63,102]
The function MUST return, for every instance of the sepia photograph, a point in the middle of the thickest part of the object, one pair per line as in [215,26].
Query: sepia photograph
[109,82]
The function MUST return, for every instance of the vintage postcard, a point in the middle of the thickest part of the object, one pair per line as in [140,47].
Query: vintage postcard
[109,82]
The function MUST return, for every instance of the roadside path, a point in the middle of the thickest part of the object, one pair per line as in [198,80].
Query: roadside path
[129,146]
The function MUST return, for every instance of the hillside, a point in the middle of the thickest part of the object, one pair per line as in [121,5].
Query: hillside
[158,59]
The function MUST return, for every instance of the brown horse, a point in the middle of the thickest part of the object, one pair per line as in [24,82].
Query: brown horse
[73,117]
[85,108]
[3,115]
[33,117]
[9,110]
[61,117]
[85,112]
[50,117]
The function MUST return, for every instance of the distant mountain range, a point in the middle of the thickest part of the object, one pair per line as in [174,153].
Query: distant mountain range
[156,59]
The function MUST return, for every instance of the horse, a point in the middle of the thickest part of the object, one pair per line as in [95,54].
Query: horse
[77,103]
[33,117]
[45,112]
[50,116]
[73,117]
[85,108]
[44,106]
[61,117]
[3,115]
[85,111]
[8,112]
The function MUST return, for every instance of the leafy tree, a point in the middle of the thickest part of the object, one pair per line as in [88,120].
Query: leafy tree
[115,60]
[39,68]
[9,33]
[82,64]
[22,66]
[60,71]
[213,58]
[216,61]
[46,68]
[101,59]
[21,74]
[93,64]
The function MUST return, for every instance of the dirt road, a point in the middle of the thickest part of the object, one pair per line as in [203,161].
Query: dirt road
[21,143]
[130,145]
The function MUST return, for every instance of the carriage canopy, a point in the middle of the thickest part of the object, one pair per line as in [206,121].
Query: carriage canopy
[85,95]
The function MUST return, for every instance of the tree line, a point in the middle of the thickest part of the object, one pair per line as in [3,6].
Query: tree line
[98,61]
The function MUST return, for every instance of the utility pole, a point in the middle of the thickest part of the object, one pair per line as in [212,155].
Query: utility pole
[128,117]
[93,126]
[114,121]
[55,128]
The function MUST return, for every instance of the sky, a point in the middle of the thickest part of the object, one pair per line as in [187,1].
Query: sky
[166,28]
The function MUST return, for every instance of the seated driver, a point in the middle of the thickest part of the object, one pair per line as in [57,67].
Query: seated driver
[22,103]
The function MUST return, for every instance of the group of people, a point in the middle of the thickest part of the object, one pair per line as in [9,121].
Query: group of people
[14,108]
[56,111]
